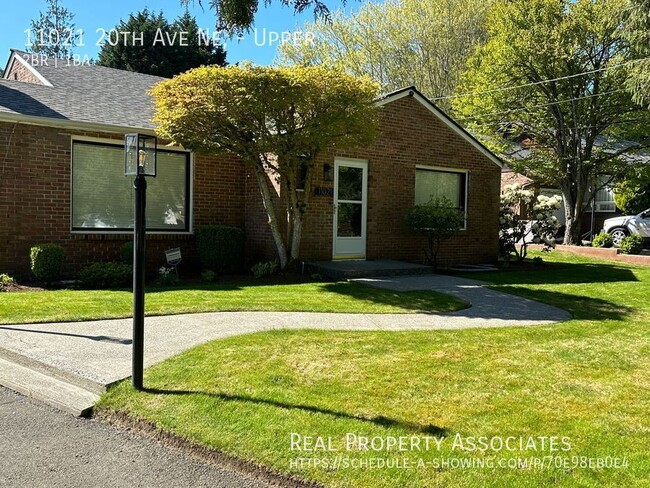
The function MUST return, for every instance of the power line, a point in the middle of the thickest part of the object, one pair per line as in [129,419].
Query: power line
[541,82]
[557,102]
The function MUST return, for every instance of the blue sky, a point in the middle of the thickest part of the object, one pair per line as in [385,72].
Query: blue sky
[90,16]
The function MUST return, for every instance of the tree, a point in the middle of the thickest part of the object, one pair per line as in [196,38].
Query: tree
[438,220]
[551,75]
[276,120]
[411,42]
[54,31]
[637,28]
[236,16]
[153,56]
[632,195]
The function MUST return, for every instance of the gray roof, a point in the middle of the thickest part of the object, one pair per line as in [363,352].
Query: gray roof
[86,94]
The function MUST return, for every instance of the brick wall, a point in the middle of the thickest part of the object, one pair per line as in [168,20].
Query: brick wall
[19,72]
[409,135]
[35,191]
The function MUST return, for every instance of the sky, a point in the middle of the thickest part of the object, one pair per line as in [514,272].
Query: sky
[93,15]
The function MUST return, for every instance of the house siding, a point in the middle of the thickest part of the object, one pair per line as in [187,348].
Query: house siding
[35,196]
[19,72]
[410,135]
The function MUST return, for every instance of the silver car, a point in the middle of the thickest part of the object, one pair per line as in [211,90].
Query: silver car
[621,227]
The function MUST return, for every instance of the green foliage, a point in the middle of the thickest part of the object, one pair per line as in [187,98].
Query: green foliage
[632,195]
[208,276]
[46,262]
[632,244]
[106,276]
[126,253]
[160,59]
[5,281]
[237,16]
[221,248]
[294,113]
[637,29]
[55,19]
[580,45]
[398,44]
[602,240]
[438,220]
[260,270]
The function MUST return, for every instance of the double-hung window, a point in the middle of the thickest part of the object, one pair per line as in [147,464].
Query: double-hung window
[102,197]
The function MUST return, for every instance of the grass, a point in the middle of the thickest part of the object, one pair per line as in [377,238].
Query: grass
[76,305]
[585,379]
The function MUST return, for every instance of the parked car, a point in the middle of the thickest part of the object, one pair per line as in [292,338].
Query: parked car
[621,227]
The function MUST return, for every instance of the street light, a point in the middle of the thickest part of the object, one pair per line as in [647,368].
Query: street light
[140,160]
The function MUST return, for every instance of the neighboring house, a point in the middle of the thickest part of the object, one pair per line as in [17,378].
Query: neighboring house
[62,177]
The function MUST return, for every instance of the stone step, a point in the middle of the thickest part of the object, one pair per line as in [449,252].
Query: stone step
[47,388]
[49,370]
[354,269]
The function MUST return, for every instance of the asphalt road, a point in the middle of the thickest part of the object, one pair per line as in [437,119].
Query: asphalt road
[42,447]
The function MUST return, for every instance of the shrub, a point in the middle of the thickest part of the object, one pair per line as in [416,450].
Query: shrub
[46,262]
[603,240]
[5,281]
[221,248]
[106,275]
[208,276]
[167,276]
[516,233]
[126,253]
[632,244]
[265,269]
[437,220]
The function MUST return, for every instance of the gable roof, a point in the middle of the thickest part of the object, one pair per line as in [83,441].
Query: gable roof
[412,91]
[78,95]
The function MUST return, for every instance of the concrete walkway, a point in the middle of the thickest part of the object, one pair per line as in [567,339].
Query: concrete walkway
[99,352]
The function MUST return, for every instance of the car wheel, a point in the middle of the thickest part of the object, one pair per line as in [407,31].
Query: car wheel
[618,234]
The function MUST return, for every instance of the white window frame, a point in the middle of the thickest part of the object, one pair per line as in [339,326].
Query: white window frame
[120,143]
[443,169]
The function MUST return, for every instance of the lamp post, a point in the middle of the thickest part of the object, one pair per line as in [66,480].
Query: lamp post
[140,161]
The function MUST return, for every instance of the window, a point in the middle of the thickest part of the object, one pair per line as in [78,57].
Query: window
[604,199]
[102,197]
[433,183]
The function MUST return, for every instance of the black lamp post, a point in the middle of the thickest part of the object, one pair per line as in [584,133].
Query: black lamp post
[140,161]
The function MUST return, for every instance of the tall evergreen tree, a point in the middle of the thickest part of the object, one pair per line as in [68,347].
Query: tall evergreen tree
[54,31]
[159,51]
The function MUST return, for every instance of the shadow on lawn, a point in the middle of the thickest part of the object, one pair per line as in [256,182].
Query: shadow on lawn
[379,420]
[559,273]
[581,307]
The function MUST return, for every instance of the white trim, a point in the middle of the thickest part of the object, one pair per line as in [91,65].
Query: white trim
[353,163]
[70,124]
[120,142]
[444,118]
[31,68]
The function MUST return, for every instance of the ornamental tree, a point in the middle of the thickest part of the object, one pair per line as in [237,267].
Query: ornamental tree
[277,121]
[515,232]
[438,220]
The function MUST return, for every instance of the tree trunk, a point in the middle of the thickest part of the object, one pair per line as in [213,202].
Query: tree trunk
[267,200]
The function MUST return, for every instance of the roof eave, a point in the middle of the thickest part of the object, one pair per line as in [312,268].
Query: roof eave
[71,124]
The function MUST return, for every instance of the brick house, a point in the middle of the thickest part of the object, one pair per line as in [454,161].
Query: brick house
[61,177]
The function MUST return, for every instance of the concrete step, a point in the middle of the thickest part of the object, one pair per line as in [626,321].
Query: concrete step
[53,371]
[49,389]
[354,269]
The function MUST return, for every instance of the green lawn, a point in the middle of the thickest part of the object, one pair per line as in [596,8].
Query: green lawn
[586,379]
[76,305]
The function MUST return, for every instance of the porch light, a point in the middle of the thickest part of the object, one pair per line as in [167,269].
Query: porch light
[140,155]
[328,172]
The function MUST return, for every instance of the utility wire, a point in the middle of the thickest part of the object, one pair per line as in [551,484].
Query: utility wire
[541,82]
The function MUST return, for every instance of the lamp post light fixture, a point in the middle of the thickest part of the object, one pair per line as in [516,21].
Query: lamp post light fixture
[140,160]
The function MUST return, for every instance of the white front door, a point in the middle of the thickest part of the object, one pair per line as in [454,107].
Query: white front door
[350,208]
